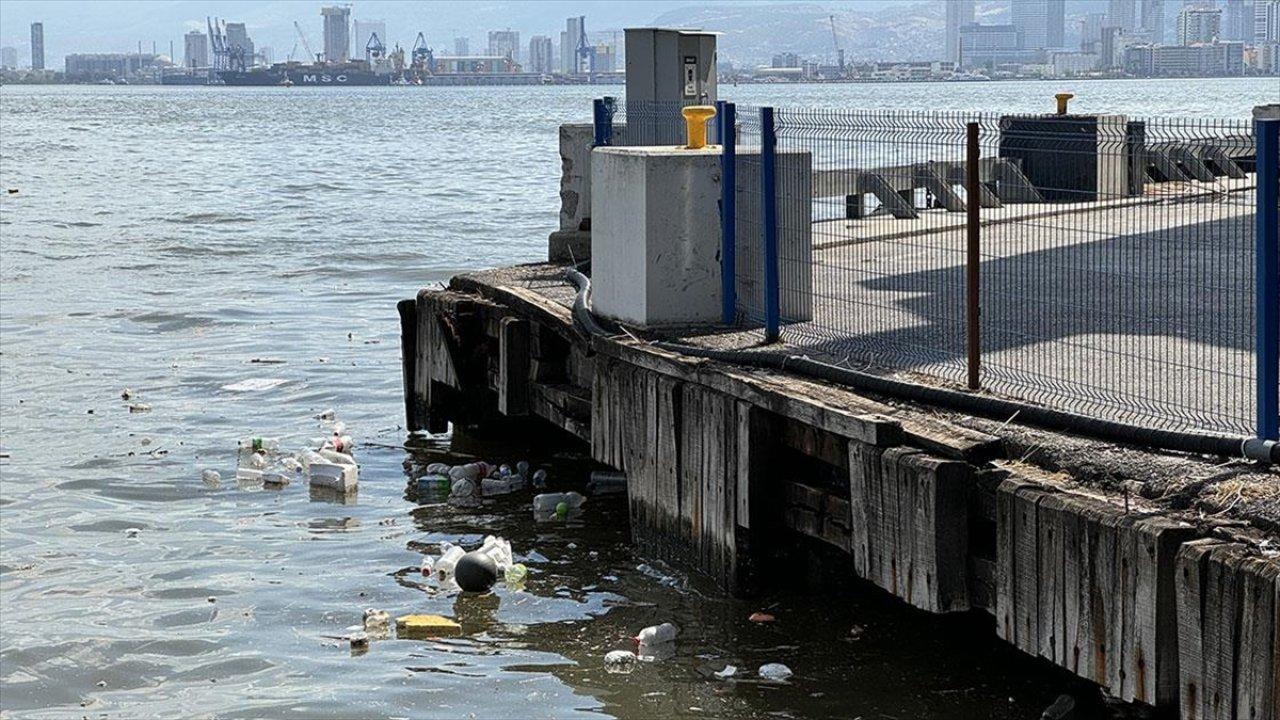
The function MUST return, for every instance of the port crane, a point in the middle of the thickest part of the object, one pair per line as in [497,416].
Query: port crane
[835,40]
[584,51]
[306,45]
[424,60]
[374,50]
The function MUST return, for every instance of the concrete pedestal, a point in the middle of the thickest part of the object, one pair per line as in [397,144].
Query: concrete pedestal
[655,234]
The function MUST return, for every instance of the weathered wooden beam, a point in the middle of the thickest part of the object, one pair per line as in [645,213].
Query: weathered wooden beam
[408,310]
[513,366]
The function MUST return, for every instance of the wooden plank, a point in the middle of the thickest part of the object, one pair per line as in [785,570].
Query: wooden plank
[669,431]
[1051,632]
[1153,634]
[408,311]
[562,406]
[1222,602]
[1075,581]
[1101,591]
[1017,563]
[1192,586]
[1255,686]
[864,471]
[747,461]
[513,366]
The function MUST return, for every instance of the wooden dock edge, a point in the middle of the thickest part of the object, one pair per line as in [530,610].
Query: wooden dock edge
[724,462]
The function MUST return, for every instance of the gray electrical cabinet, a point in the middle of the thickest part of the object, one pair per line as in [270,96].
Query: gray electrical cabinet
[666,65]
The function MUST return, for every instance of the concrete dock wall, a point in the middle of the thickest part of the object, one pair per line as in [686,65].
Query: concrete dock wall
[727,465]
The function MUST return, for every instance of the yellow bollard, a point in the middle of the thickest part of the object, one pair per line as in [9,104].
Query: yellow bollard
[1062,99]
[695,118]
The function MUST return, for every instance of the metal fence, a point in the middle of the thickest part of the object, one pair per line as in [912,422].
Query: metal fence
[1097,264]
[643,123]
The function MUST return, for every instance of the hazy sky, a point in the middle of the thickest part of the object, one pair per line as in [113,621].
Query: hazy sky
[118,25]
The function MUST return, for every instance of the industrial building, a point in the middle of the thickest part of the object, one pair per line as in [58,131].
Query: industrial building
[238,41]
[9,58]
[93,67]
[541,57]
[505,43]
[195,50]
[337,33]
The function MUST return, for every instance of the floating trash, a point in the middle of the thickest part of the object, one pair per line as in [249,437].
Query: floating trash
[620,661]
[777,672]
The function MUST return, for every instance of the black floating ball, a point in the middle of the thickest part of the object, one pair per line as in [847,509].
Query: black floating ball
[475,572]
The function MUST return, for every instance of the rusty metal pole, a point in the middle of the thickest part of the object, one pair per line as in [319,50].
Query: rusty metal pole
[973,192]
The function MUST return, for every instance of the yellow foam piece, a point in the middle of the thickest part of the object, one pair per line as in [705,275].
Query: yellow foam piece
[426,626]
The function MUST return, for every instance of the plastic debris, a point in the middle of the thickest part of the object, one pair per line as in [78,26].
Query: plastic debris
[557,506]
[126,394]
[620,661]
[334,476]
[449,556]
[776,672]
[516,575]
[260,444]
[132,532]
[426,626]
[275,479]
[540,479]
[1063,708]
[326,414]
[249,474]
[359,641]
[139,408]
[254,384]
[607,483]
[476,572]
[761,617]
[210,477]
[728,672]
[657,634]
[377,622]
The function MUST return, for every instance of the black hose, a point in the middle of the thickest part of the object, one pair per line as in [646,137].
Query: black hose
[985,405]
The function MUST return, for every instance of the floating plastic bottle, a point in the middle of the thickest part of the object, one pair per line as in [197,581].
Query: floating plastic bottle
[498,549]
[547,502]
[449,556]
[495,486]
[522,468]
[462,488]
[211,477]
[658,634]
[516,575]
[540,479]
[438,469]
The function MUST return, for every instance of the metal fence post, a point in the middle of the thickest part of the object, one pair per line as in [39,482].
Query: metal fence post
[602,119]
[1266,124]
[728,212]
[973,260]
[769,223]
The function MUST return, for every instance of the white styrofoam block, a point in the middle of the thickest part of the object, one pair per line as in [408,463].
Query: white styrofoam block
[334,476]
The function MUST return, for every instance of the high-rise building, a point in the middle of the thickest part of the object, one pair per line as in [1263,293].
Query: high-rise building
[573,35]
[1152,24]
[540,58]
[9,58]
[337,33]
[1237,21]
[1111,48]
[991,45]
[1122,14]
[195,50]
[37,46]
[461,46]
[364,30]
[1091,31]
[238,39]
[505,43]
[1040,22]
[1266,21]
[1199,25]
[959,14]
[606,58]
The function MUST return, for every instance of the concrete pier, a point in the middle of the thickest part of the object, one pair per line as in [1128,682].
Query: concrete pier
[730,467]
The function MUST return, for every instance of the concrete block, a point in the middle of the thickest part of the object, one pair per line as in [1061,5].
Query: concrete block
[571,243]
[655,236]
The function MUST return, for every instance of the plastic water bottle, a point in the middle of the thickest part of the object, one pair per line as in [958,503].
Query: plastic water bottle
[211,477]
[540,479]
[495,486]
[260,444]
[516,574]
[657,634]
[775,671]
[547,502]
[522,468]
[499,550]
[619,661]
[437,469]
[462,488]
[448,559]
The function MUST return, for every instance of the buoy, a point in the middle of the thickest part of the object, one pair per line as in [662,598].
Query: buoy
[475,572]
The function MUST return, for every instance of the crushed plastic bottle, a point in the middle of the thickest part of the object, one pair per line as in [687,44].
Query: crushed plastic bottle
[438,469]
[516,575]
[540,479]
[657,634]
[495,486]
[248,474]
[377,622]
[619,661]
[462,489]
[776,672]
[728,672]
[211,477]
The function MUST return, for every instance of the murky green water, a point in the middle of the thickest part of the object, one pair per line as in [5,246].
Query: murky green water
[165,239]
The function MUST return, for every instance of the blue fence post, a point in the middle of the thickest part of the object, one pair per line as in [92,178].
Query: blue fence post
[602,119]
[769,222]
[1266,125]
[728,212]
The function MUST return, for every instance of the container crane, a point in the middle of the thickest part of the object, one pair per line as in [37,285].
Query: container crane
[374,50]
[835,40]
[423,59]
[585,51]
